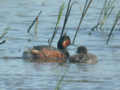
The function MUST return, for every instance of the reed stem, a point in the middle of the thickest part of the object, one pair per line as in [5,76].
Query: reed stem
[33,22]
[66,18]
[104,14]
[85,9]
[56,26]
[113,27]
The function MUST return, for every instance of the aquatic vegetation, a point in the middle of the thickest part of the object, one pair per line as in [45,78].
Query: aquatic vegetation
[69,7]
[5,32]
[113,26]
[2,41]
[3,35]
[66,17]
[106,11]
[59,82]
[57,23]
[85,9]
[36,27]
[34,21]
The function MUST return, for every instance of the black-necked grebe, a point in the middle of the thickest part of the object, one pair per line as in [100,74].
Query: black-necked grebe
[45,53]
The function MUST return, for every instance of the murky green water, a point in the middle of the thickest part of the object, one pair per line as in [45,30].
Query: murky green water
[16,74]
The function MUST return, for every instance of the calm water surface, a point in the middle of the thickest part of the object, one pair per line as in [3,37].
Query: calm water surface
[17,74]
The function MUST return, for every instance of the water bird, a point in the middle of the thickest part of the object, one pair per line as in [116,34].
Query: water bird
[82,56]
[45,53]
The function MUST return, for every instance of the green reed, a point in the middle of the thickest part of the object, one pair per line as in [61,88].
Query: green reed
[66,17]
[106,11]
[61,79]
[85,9]
[113,26]
[59,82]
[69,7]
[57,23]
[34,21]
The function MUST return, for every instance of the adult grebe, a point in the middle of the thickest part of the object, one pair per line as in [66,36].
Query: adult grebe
[45,53]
